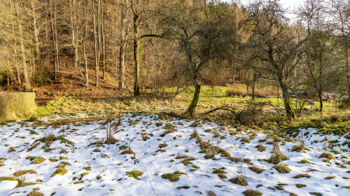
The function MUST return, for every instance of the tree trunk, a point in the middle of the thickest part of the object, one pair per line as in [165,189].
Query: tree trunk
[289,110]
[347,66]
[192,107]
[136,57]
[56,41]
[36,33]
[104,53]
[99,33]
[253,89]
[86,68]
[234,74]
[122,47]
[321,103]
[84,48]
[122,68]
[27,86]
[96,51]
[47,32]
[74,34]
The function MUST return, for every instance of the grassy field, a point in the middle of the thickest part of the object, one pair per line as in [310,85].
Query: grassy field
[271,117]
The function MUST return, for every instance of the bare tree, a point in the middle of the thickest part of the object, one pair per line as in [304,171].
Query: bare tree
[341,15]
[197,35]
[320,53]
[275,46]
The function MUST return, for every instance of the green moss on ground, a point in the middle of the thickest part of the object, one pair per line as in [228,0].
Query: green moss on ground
[302,176]
[251,192]
[38,160]
[21,173]
[256,170]
[135,174]
[239,180]
[327,156]
[59,171]
[173,177]
[283,169]
[260,148]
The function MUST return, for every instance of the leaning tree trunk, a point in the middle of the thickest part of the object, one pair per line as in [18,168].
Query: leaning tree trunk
[289,110]
[191,109]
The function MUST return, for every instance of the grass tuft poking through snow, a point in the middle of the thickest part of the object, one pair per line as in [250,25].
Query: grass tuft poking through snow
[135,174]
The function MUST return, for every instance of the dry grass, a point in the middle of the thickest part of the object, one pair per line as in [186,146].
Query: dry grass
[14,106]
[259,93]
[276,155]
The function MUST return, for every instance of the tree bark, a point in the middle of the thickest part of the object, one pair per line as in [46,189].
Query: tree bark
[27,86]
[122,46]
[289,110]
[136,57]
[36,33]
[96,50]
[104,53]
[84,48]
[321,103]
[122,67]
[192,107]
[56,41]
[75,35]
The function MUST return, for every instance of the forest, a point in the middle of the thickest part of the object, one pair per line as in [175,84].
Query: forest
[174,97]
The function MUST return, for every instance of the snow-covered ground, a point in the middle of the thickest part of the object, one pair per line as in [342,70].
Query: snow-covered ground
[105,168]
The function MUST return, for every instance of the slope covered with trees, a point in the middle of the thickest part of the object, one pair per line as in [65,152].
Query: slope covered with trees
[60,47]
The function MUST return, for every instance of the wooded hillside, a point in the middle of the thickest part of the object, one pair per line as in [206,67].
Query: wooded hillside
[89,47]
